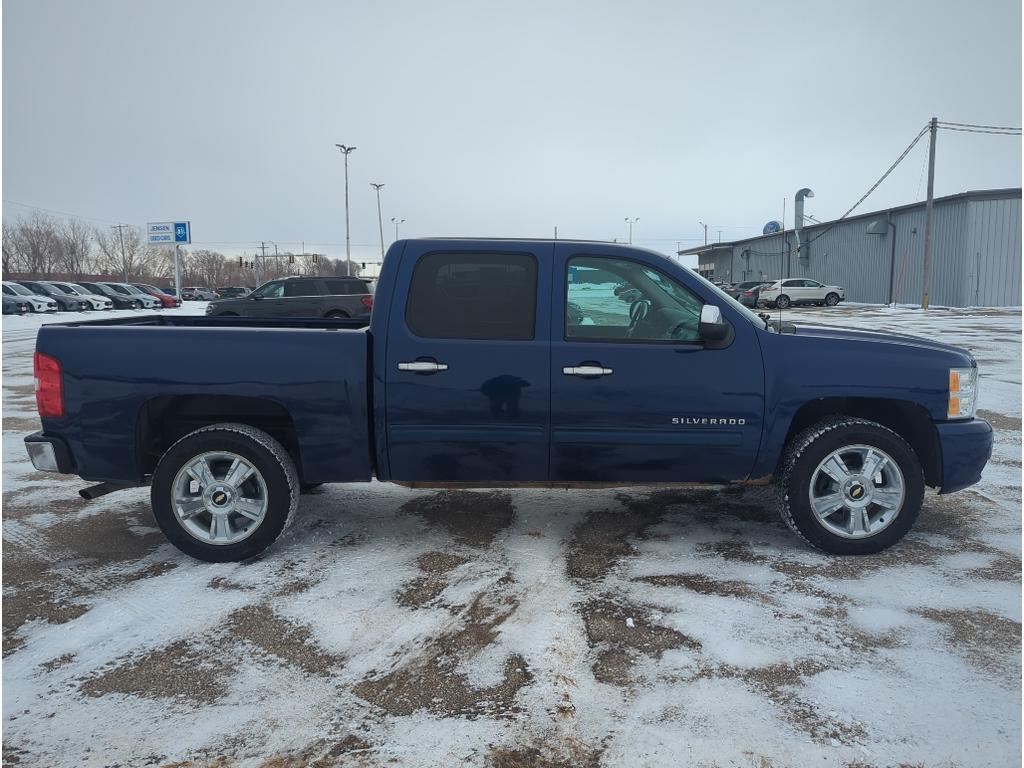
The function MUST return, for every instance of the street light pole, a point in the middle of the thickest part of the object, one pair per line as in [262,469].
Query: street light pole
[346,151]
[705,231]
[380,221]
[631,222]
[396,222]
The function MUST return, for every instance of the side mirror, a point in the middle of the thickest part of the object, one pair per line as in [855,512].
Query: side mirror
[255,297]
[712,326]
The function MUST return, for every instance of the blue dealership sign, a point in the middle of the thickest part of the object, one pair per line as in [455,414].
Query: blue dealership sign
[181,232]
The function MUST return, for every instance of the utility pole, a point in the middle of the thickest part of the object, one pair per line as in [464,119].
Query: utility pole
[556,233]
[177,271]
[396,222]
[259,262]
[631,222]
[346,151]
[380,221]
[124,262]
[705,231]
[927,268]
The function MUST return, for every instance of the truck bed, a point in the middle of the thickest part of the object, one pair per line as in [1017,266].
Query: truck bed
[129,380]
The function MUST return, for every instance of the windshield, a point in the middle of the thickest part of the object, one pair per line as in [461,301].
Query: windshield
[753,317]
[65,288]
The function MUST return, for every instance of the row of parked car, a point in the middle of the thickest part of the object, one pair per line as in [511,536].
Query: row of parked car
[27,296]
[785,293]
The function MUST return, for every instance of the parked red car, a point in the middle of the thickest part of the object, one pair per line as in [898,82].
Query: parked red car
[166,300]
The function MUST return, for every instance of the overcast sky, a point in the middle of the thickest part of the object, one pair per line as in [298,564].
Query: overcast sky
[496,119]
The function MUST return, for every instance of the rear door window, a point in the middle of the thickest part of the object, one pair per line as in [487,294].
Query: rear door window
[464,295]
[295,288]
[343,287]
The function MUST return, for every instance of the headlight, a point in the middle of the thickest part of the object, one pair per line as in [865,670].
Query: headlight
[963,393]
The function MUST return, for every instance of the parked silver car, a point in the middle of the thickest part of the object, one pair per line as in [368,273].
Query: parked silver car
[97,302]
[131,292]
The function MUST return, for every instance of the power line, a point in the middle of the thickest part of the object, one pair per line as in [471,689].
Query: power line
[973,125]
[59,213]
[873,186]
[1008,132]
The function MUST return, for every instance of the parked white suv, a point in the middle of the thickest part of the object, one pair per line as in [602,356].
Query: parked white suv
[35,301]
[800,290]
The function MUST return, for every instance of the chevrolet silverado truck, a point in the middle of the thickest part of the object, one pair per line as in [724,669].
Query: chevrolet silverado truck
[489,363]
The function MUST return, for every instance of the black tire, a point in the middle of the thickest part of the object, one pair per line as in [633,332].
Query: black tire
[808,449]
[782,302]
[832,299]
[264,453]
[336,314]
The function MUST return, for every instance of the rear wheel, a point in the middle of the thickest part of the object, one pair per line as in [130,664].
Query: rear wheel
[850,486]
[224,492]
[782,302]
[336,314]
[832,299]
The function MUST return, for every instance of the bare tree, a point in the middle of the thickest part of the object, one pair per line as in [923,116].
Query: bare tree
[74,239]
[125,254]
[32,244]
[12,258]
[209,267]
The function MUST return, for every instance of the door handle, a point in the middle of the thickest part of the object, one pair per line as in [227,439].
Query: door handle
[586,370]
[423,366]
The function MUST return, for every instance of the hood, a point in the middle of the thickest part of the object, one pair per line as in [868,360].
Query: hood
[878,337]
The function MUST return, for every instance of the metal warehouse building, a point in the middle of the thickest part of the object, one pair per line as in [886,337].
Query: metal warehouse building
[878,257]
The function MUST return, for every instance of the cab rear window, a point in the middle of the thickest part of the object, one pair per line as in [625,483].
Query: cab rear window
[473,296]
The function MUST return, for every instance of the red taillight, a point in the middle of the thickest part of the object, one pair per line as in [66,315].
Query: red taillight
[49,386]
[748,293]
[367,301]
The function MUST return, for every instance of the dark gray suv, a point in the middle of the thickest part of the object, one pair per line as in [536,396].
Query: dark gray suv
[301,297]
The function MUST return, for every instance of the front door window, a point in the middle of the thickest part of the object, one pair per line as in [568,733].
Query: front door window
[617,300]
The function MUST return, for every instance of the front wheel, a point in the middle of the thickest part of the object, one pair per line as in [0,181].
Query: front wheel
[832,299]
[224,492]
[850,486]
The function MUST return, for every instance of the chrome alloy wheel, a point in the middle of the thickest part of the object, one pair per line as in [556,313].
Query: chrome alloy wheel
[219,497]
[857,491]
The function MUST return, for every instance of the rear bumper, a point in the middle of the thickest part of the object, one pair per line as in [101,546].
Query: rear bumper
[49,454]
[966,447]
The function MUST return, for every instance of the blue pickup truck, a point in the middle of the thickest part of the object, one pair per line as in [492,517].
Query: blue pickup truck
[506,363]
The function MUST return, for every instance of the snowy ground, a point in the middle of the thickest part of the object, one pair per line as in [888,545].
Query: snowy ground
[523,628]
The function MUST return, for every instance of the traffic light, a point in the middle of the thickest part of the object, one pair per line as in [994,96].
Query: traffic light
[291,258]
[240,262]
[316,258]
[362,265]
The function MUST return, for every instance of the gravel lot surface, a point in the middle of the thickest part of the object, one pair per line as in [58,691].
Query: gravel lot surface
[519,628]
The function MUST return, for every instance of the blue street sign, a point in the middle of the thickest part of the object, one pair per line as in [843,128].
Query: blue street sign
[181,233]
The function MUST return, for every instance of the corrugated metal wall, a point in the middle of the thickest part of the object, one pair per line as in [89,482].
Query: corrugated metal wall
[976,254]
